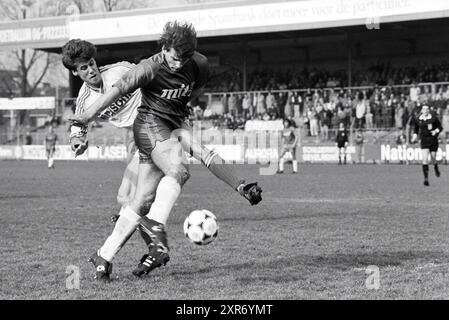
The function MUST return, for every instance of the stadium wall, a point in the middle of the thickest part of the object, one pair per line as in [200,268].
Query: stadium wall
[246,152]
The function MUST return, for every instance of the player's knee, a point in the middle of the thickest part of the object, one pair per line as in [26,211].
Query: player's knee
[180,173]
[122,200]
[146,205]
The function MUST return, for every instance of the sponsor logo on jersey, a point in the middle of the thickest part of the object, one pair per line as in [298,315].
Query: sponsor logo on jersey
[184,91]
[115,107]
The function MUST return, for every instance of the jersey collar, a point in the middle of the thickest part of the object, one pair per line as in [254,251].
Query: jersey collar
[422,117]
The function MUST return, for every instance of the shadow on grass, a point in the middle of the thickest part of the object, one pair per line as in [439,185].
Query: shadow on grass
[299,267]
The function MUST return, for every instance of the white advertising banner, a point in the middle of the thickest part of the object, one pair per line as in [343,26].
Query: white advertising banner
[407,153]
[218,19]
[324,153]
[215,21]
[30,103]
[261,125]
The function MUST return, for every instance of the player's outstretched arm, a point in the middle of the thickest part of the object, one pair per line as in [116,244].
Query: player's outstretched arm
[99,105]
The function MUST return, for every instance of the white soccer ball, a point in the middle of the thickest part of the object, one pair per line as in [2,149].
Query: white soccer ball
[201,227]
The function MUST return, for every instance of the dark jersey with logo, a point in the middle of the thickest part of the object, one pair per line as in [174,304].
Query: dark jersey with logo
[165,93]
[342,138]
[425,125]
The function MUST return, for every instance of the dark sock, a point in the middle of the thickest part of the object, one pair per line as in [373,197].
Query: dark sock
[425,170]
[153,230]
[146,238]
[224,172]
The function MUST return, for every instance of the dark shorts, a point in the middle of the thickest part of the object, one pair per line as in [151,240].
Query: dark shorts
[430,143]
[50,150]
[286,149]
[149,129]
[341,145]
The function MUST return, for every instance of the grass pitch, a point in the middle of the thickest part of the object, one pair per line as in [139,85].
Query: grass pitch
[313,236]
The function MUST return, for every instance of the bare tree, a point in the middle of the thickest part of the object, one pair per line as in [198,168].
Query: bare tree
[110,5]
[32,65]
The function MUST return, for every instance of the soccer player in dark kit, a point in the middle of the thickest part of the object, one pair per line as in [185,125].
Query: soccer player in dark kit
[342,142]
[167,80]
[428,127]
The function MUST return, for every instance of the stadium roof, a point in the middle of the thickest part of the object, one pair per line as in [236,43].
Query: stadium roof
[214,19]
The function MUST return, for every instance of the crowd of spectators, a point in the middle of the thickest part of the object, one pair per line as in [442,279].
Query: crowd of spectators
[381,74]
[320,110]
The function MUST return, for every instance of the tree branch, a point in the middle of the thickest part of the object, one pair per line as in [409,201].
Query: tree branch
[44,71]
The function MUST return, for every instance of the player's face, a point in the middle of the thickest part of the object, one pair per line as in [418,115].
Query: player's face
[174,61]
[88,72]
[425,110]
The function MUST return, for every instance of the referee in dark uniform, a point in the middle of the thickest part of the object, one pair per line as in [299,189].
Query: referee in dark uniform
[427,126]
[342,141]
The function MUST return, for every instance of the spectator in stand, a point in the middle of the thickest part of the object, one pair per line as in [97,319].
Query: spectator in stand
[360,111]
[260,107]
[239,99]
[326,121]
[232,105]
[359,140]
[208,112]
[445,123]
[28,138]
[425,96]
[369,118]
[313,121]
[295,103]
[270,102]
[399,116]
[281,100]
[245,106]
[224,103]
[414,93]
[288,110]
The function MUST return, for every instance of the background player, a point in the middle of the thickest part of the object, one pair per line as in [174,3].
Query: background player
[50,146]
[428,126]
[289,142]
[148,171]
[342,142]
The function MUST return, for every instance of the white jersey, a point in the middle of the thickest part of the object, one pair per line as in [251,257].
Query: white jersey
[122,112]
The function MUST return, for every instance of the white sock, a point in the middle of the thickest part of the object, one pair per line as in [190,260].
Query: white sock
[281,164]
[167,192]
[124,228]
[295,165]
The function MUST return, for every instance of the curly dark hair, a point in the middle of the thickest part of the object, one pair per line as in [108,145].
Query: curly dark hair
[77,50]
[179,36]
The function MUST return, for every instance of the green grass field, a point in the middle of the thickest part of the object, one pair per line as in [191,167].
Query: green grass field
[312,237]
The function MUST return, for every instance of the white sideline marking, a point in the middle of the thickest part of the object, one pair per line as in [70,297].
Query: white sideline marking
[317,200]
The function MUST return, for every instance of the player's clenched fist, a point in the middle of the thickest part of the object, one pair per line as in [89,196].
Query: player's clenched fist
[78,145]
[414,138]
[78,138]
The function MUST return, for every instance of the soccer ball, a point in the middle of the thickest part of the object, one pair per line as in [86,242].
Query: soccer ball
[201,227]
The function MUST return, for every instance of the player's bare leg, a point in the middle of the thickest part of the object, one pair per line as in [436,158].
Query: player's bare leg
[216,165]
[127,187]
[425,165]
[281,162]
[294,161]
[130,217]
